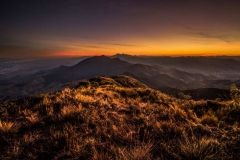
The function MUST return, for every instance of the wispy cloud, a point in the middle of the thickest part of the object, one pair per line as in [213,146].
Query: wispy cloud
[79,37]
[87,46]
[91,47]
[207,34]
[23,51]
[120,44]
[223,37]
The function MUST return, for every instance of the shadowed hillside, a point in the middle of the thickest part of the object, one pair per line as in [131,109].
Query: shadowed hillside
[206,93]
[118,118]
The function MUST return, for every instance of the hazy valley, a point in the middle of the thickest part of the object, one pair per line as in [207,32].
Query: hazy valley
[170,75]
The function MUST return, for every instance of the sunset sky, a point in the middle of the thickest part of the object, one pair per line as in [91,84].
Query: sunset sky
[48,28]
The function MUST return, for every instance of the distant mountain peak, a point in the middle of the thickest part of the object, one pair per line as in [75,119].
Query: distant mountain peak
[103,60]
[103,57]
[95,59]
[122,55]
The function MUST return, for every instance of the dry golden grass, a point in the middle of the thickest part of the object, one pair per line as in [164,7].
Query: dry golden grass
[118,118]
[6,126]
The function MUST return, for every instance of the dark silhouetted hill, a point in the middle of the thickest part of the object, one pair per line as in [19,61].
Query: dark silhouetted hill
[207,93]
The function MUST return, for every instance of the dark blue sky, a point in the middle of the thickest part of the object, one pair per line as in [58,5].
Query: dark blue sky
[36,28]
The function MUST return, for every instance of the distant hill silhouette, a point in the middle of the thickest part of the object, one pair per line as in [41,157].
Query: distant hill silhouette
[222,68]
[90,67]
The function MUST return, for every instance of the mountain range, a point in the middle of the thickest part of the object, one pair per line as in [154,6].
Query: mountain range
[169,75]
[220,67]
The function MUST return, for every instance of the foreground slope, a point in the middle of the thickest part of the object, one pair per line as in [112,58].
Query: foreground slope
[118,118]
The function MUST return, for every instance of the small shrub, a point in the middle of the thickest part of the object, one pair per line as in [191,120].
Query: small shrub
[192,148]
[183,96]
[138,152]
[6,126]
[235,93]
[209,120]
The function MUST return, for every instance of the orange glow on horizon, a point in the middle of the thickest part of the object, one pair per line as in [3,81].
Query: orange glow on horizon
[171,48]
[159,53]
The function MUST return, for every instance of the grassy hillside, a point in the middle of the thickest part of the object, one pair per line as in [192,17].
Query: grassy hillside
[118,118]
